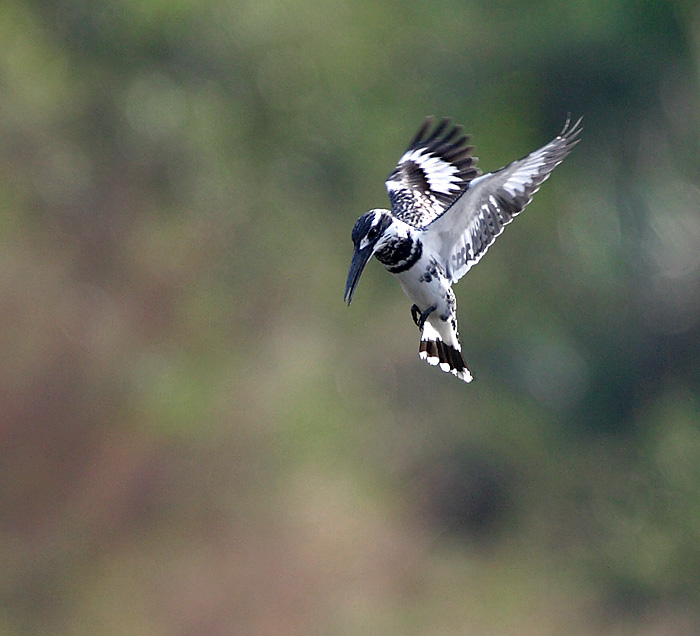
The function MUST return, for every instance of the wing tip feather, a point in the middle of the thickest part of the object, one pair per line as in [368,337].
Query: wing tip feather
[570,132]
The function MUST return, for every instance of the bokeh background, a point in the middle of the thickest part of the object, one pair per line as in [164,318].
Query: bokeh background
[198,437]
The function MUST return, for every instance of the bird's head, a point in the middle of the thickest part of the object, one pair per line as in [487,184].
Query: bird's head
[371,232]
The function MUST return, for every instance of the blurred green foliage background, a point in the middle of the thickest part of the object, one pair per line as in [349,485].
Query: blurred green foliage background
[198,437]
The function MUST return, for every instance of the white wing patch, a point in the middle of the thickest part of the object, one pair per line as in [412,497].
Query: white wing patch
[441,175]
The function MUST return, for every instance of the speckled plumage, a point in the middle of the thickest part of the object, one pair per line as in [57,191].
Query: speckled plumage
[444,216]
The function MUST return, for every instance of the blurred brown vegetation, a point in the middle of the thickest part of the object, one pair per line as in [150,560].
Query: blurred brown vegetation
[199,438]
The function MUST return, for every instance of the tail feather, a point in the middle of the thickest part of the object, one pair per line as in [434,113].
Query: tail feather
[438,353]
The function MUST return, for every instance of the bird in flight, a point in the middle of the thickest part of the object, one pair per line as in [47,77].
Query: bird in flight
[444,216]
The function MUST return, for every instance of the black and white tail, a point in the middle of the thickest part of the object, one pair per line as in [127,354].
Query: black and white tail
[435,351]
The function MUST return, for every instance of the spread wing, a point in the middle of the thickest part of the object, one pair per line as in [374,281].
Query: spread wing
[431,174]
[466,230]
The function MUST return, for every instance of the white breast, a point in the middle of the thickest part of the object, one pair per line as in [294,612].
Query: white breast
[422,292]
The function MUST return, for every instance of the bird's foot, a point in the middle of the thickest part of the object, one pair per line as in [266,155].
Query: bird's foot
[420,317]
[415,314]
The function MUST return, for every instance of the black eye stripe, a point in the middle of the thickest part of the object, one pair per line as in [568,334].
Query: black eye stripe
[369,227]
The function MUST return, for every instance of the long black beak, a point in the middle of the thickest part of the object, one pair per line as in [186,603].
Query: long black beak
[359,260]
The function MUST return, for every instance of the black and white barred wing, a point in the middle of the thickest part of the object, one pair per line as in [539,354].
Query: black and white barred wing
[431,174]
[466,230]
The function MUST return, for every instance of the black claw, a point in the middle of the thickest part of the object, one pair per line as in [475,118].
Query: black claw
[415,314]
[420,317]
[424,316]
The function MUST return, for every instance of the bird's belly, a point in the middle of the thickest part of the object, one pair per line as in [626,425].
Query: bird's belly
[424,293]
[435,293]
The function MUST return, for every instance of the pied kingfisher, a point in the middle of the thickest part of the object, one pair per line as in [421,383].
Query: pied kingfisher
[443,218]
